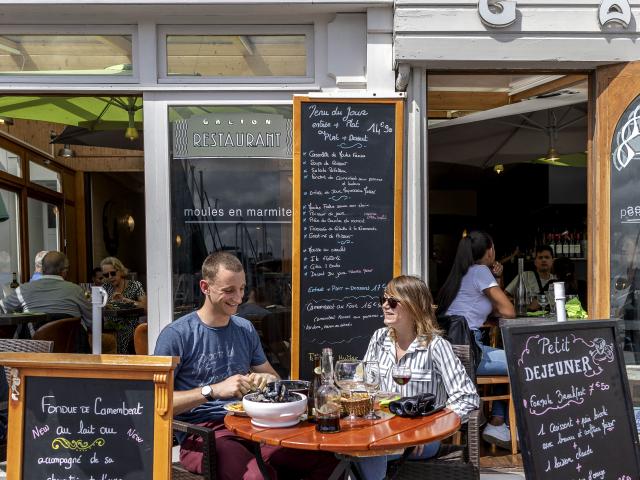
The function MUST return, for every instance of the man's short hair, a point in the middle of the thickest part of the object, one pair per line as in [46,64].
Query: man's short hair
[545,248]
[213,262]
[54,263]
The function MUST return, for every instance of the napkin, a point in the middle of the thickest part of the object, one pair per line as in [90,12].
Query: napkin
[574,309]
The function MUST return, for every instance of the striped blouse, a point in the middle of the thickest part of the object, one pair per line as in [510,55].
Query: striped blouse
[434,369]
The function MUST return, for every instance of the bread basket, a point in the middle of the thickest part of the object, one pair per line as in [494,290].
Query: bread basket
[357,403]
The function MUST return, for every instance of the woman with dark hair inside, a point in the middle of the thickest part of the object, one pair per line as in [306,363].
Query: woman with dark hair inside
[411,338]
[472,291]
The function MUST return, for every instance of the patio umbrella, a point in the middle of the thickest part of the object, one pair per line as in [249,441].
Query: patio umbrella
[94,113]
[519,137]
[98,138]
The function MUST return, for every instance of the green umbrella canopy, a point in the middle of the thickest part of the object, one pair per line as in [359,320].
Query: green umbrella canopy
[94,113]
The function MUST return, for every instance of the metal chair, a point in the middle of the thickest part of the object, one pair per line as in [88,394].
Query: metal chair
[453,462]
[208,448]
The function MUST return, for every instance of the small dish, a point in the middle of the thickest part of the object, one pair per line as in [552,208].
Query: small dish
[236,408]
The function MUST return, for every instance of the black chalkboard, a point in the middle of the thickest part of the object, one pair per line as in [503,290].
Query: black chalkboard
[88,428]
[571,395]
[348,224]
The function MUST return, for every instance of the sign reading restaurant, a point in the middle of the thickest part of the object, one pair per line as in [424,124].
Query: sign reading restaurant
[227,135]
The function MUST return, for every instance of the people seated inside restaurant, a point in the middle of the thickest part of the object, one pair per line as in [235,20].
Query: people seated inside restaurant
[565,271]
[119,288]
[536,281]
[250,307]
[37,265]
[221,359]
[97,278]
[410,338]
[472,291]
[51,294]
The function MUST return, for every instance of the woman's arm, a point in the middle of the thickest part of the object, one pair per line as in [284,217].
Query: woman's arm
[502,306]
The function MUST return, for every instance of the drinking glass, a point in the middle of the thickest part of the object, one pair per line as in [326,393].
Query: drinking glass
[543,301]
[348,375]
[372,385]
[401,375]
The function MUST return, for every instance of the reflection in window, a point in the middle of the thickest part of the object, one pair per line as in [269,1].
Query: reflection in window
[45,177]
[44,228]
[10,163]
[242,205]
[65,54]
[237,55]
[9,239]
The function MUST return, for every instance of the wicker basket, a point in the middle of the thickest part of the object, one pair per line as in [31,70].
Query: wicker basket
[358,403]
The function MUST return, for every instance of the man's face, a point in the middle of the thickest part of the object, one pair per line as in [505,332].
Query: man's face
[225,291]
[543,261]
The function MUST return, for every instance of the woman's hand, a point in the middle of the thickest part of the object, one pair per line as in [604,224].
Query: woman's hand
[497,269]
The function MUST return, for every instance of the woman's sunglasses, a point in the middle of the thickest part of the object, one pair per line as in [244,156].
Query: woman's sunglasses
[110,274]
[393,302]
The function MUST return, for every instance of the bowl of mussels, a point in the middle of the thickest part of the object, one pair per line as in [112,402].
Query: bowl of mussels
[275,407]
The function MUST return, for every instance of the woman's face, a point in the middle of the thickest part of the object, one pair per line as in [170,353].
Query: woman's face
[111,275]
[396,314]
[489,257]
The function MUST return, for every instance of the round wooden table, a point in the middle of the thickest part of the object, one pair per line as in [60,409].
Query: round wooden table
[361,438]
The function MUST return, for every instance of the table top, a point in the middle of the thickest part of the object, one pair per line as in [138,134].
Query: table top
[19,318]
[363,437]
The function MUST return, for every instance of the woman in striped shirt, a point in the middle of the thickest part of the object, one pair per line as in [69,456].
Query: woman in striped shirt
[411,338]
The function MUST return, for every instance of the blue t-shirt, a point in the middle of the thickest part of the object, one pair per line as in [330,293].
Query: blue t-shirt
[209,355]
[471,302]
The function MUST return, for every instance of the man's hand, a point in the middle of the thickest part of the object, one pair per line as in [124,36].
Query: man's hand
[260,380]
[234,386]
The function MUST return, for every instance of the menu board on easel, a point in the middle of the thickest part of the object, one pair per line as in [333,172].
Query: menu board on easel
[89,417]
[571,396]
[347,176]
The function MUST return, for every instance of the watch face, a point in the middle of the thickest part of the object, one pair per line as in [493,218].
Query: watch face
[206,392]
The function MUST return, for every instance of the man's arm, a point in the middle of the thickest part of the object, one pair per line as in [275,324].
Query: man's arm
[234,386]
[12,302]
[263,374]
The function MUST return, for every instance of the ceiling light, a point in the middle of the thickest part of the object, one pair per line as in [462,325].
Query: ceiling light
[552,155]
[66,151]
[131,133]
[499,168]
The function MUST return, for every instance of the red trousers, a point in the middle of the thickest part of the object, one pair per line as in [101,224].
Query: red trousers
[236,461]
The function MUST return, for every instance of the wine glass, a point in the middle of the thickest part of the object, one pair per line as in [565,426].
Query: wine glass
[348,374]
[401,375]
[372,385]
[543,301]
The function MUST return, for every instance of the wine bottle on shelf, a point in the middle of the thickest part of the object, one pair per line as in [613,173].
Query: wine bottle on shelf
[575,244]
[583,245]
[521,291]
[579,253]
[565,245]
[14,281]
[551,243]
[558,245]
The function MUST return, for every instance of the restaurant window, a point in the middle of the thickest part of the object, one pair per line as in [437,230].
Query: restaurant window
[231,191]
[262,54]
[44,228]
[65,54]
[10,163]
[9,237]
[45,177]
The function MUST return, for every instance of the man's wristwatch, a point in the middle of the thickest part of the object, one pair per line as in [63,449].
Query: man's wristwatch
[207,393]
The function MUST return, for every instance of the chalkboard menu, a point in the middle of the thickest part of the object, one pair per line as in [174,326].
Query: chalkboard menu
[89,417]
[347,220]
[89,429]
[571,395]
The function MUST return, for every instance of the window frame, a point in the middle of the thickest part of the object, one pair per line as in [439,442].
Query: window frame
[63,78]
[165,31]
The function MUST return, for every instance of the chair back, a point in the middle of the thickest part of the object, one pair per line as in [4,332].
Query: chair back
[463,352]
[140,339]
[457,331]
[20,345]
[61,332]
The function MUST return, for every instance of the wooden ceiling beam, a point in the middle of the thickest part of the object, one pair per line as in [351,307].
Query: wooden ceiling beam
[468,101]
[567,81]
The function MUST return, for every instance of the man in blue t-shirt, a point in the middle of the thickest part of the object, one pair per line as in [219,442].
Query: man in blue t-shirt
[221,359]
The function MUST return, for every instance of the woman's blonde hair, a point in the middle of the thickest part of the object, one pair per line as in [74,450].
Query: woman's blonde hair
[415,296]
[115,263]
